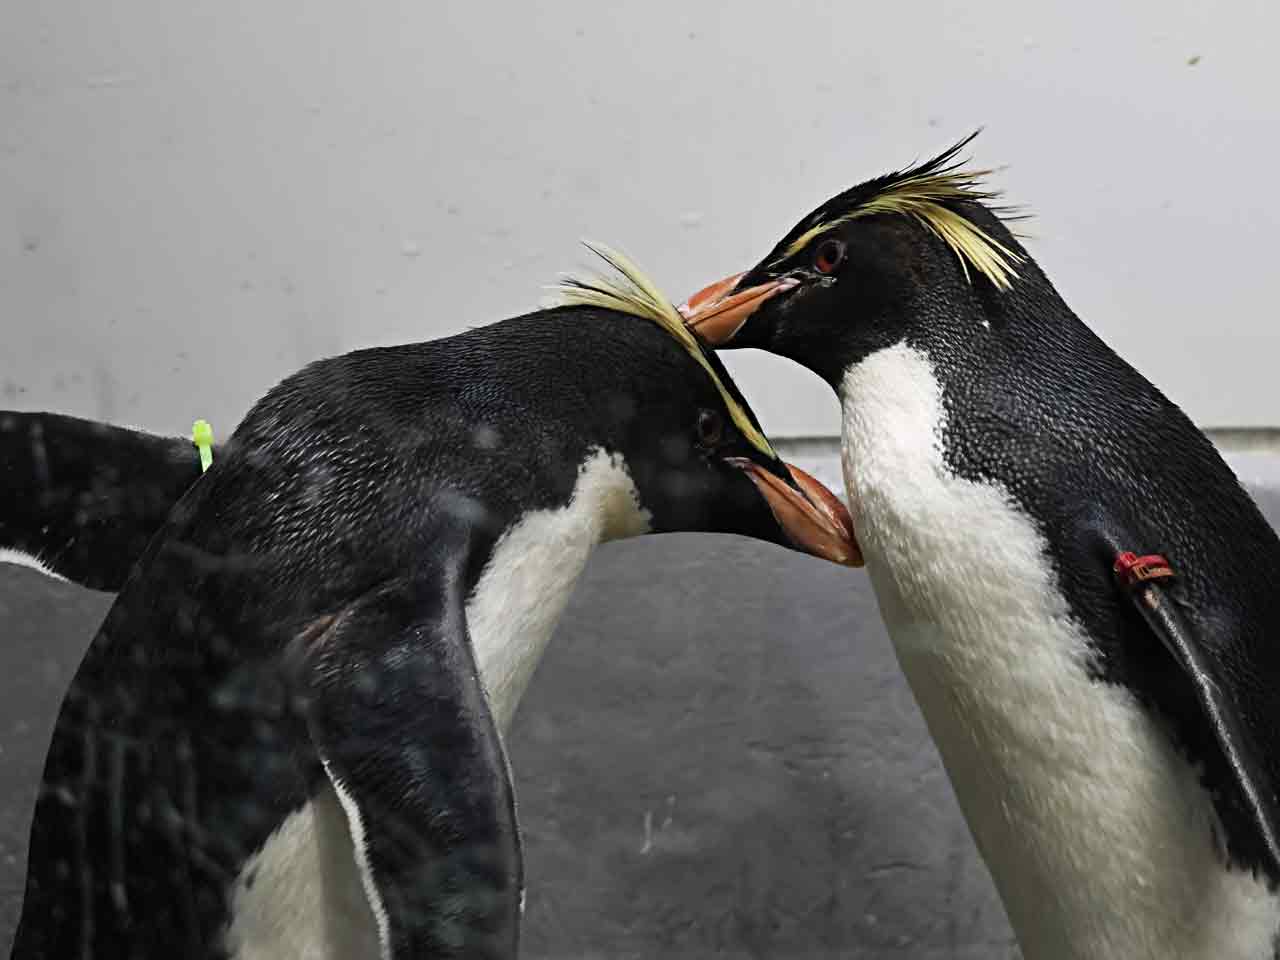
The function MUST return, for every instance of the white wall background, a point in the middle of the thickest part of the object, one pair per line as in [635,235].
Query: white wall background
[198,197]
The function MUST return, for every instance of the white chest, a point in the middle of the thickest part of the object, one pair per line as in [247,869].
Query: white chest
[531,575]
[1096,832]
[302,897]
[307,900]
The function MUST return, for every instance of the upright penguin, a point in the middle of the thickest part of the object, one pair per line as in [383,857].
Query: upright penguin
[1117,762]
[284,741]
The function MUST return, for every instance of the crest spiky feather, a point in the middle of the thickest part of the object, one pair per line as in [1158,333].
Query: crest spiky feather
[923,193]
[629,290]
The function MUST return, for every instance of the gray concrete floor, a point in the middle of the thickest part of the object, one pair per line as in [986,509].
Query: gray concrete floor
[718,757]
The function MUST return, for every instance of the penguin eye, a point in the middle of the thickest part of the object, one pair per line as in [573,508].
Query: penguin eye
[710,427]
[829,255]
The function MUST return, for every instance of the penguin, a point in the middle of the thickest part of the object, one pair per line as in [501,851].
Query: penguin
[285,741]
[80,499]
[1082,596]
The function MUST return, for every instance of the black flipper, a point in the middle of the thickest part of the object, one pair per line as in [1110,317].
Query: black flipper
[1179,638]
[398,716]
[84,498]
[1144,579]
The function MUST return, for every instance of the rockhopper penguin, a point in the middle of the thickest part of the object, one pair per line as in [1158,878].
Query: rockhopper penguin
[284,742]
[1111,726]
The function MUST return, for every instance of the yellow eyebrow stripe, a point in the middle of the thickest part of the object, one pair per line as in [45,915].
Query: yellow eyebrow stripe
[631,291]
[922,196]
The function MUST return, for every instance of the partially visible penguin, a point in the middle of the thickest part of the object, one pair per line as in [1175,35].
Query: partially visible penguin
[81,499]
[1021,495]
[285,740]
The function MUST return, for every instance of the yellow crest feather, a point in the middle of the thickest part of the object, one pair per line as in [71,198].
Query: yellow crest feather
[921,195]
[629,290]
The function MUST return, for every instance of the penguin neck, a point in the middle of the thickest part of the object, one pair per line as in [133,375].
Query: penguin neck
[1097,832]
[531,572]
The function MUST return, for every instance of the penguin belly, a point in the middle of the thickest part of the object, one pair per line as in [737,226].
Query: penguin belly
[1096,831]
[302,896]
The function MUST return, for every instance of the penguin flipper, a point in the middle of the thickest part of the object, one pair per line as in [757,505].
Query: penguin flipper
[400,720]
[1180,638]
[1144,580]
[83,498]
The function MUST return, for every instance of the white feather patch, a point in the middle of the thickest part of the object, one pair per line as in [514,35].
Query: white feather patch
[17,557]
[302,896]
[360,848]
[530,576]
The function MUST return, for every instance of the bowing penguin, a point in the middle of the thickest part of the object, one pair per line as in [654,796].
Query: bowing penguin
[285,739]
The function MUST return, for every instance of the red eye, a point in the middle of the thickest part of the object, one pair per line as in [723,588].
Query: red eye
[829,255]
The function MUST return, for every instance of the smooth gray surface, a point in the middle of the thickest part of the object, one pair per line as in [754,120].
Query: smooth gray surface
[718,757]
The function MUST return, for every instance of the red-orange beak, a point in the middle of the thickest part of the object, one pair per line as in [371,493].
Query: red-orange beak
[715,314]
[813,517]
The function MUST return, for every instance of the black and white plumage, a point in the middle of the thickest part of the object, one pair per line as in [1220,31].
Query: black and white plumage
[997,454]
[285,739]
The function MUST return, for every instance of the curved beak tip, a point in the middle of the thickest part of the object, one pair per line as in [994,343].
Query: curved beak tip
[812,517]
[709,294]
[718,311]
[836,522]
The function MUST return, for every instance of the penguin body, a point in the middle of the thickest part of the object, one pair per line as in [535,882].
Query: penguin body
[994,450]
[285,739]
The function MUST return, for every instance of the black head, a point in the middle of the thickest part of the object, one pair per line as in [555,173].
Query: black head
[695,450]
[693,446]
[877,264]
